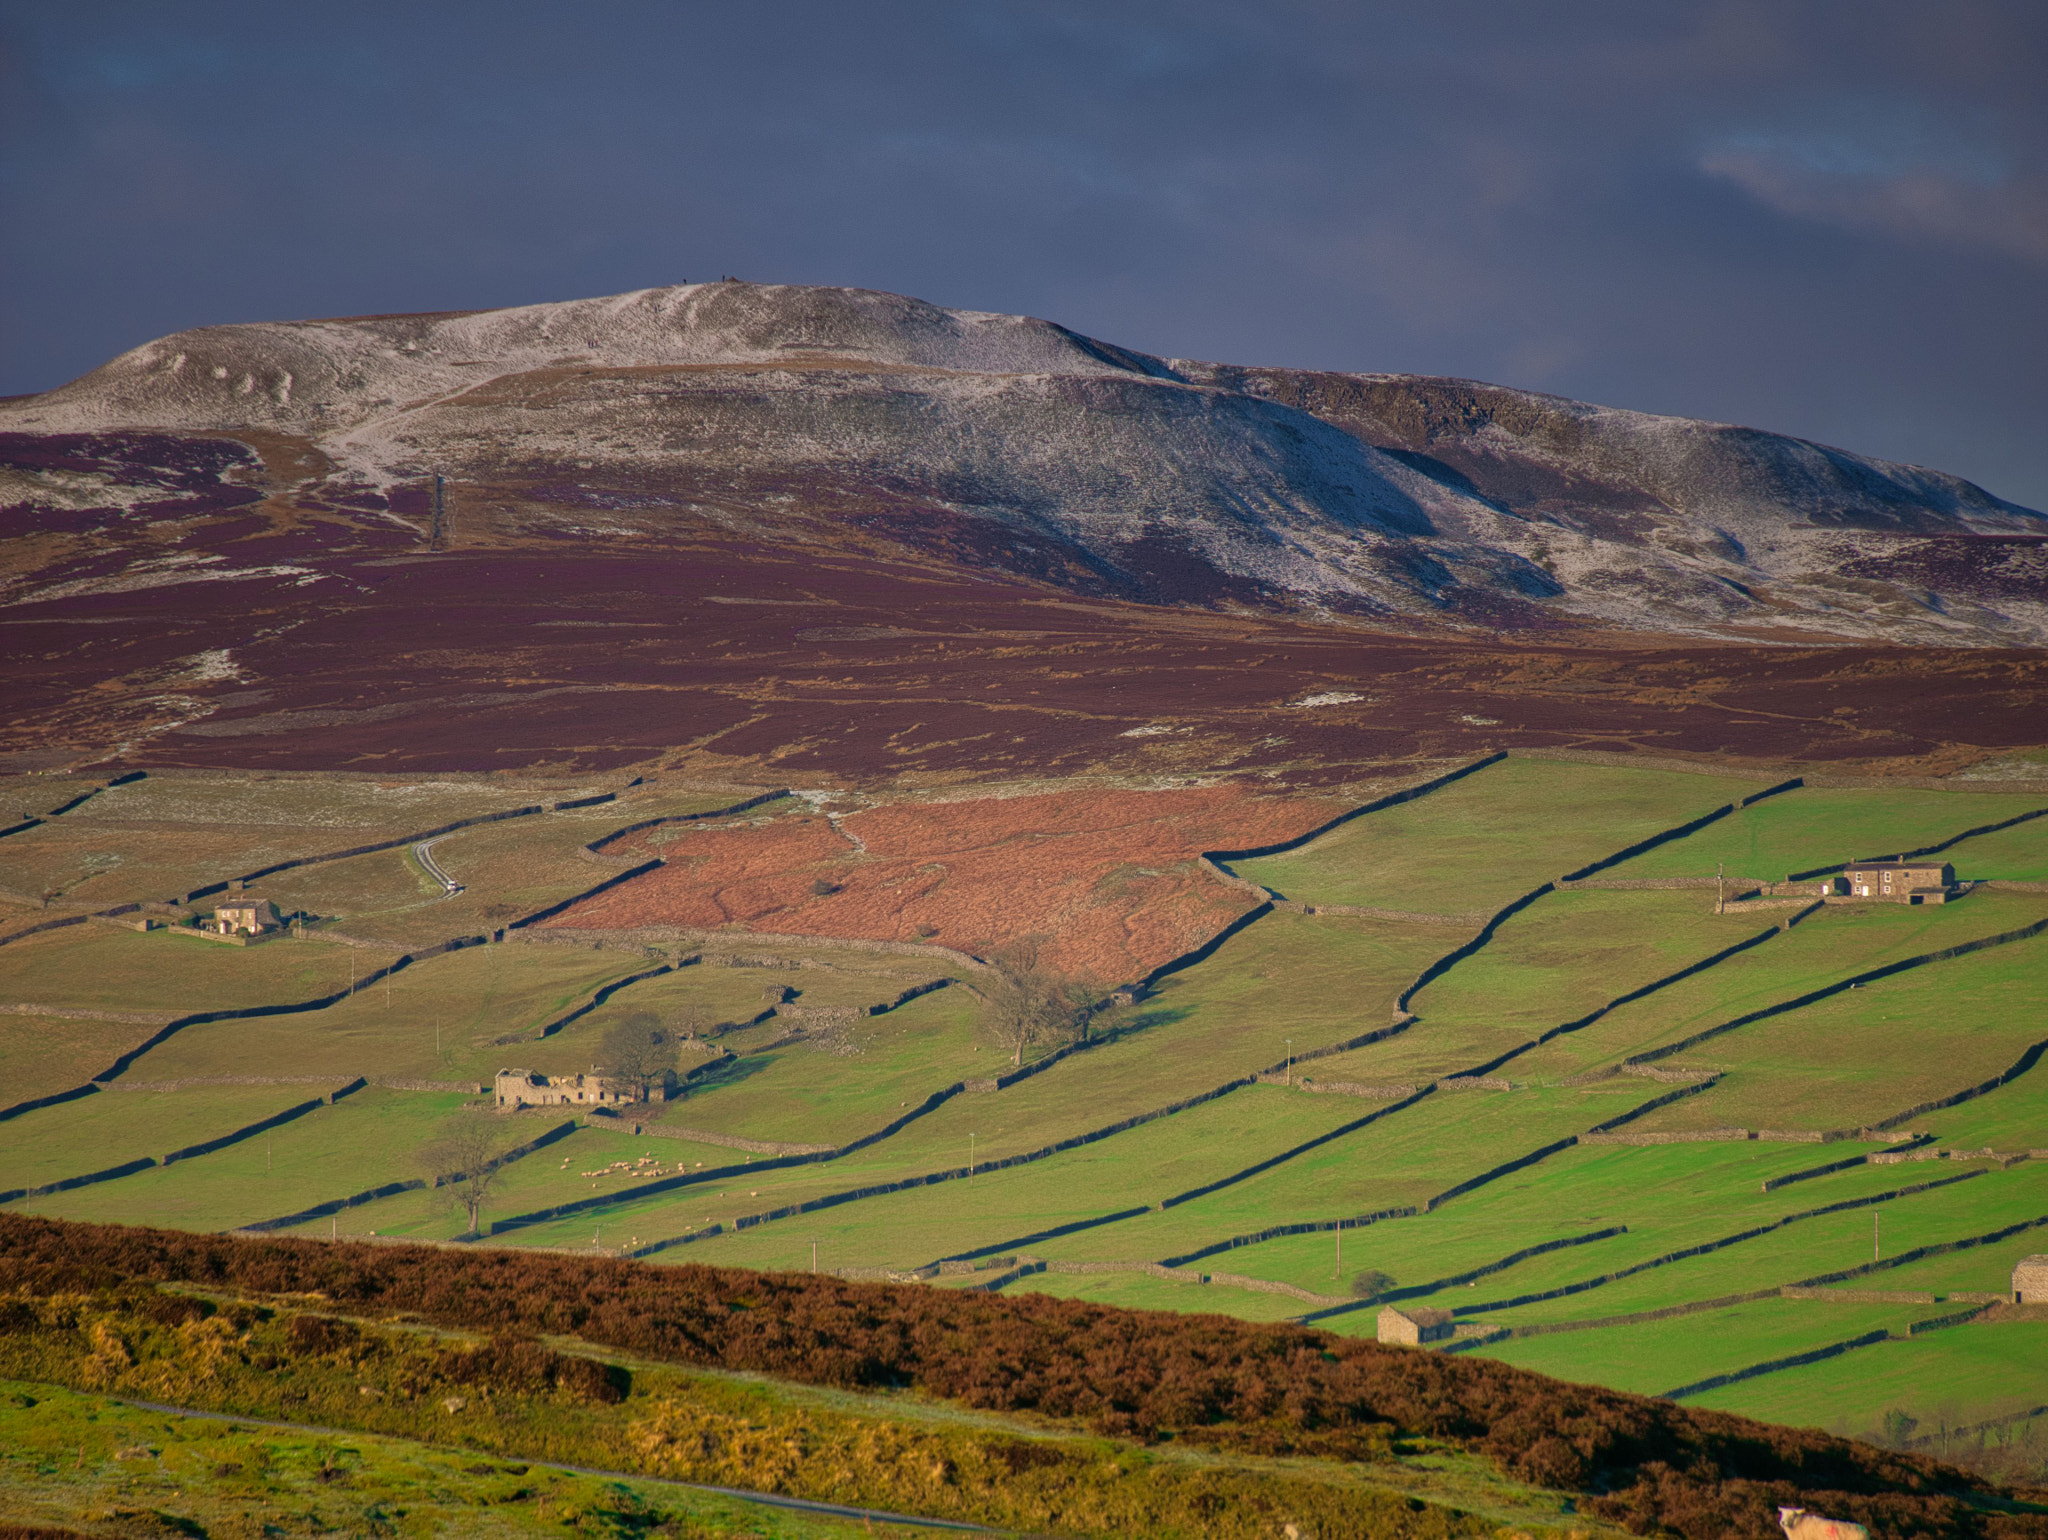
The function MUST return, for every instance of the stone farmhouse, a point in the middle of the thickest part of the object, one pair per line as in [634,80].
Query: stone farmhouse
[1898,882]
[518,1088]
[247,917]
[1414,1326]
[2030,1280]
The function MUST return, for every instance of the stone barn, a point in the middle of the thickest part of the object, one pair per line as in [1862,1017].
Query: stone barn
[528,1088]
[1415,1326]
[2030,1280]
[1900,882]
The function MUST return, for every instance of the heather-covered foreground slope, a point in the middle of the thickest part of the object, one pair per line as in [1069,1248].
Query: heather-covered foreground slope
[263,1327]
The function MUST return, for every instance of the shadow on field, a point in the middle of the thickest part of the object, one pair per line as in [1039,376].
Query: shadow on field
[729,1072]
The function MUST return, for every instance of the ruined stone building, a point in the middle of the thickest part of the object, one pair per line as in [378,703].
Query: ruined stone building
[529,1088]
[1898,882]
[1414,1326]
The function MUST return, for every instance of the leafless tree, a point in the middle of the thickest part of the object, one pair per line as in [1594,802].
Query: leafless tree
[686,1021]
[638,1049]
[1029,1003]
[464,1162]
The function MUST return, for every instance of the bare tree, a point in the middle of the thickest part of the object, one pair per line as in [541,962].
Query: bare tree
[464,1163]
[638,1049]
[1028,1003]
[686,1021]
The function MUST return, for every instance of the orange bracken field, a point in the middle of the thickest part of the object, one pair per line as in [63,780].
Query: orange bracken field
[1106,881]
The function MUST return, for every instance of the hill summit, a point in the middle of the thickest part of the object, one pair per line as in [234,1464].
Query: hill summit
[796,415]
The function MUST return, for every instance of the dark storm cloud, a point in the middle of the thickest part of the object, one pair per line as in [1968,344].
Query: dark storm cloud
[1830,219]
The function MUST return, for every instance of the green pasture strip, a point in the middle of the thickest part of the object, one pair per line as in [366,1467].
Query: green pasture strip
[1809,1247]
[508,870]
[555,1174]
[1574,951]
[2013,1117]
[43,1055]
[358,888]
[929,1143]
[1815,826]
[1657,1356]
[721,998]
[1836,943]
[71,1459]
[1669,1197]
[1139,1166]
[115,1127]
[1985,1269]
[1574,1192]
[368,1139]
[559,1175]
[1859,1057]
[1202,1031]
[1141,1291]
[1482,840]
[1411,1156]
[833,1090]
[97,967]
[476,996]
[1965,1374]
[2018,936]
[1328,1175]
[2018,854]
[1412,1250]
[1316,979]
[99,864]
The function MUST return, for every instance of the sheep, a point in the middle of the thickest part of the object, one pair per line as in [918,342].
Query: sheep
[1798,1524]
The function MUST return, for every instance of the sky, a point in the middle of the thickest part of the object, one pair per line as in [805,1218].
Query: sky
[1821,218]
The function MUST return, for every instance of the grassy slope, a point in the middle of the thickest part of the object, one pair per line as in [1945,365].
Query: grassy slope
[361,1142]
[41,1055]
[1312,979]
[115,1127]
[1492,836]
[1836,943]
[1815,827]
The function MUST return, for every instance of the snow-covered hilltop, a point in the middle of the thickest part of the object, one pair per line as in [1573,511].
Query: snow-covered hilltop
[1011,442]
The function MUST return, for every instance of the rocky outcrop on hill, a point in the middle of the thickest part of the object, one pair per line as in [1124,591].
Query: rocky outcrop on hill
[843,417]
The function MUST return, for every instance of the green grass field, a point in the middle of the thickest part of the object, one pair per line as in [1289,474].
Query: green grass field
[1815,826]
[1492,836]
[1288,986]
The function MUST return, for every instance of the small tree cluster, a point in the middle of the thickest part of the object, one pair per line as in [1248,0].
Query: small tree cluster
[1030,1004]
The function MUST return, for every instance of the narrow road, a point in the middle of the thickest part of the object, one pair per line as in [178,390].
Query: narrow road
[423,852]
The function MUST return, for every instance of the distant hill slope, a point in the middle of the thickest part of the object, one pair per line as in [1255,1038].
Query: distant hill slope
[797,416]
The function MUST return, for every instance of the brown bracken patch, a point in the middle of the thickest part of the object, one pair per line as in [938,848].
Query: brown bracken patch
[1106,880]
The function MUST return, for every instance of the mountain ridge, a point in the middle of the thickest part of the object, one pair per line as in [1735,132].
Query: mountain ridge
[1016,443]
